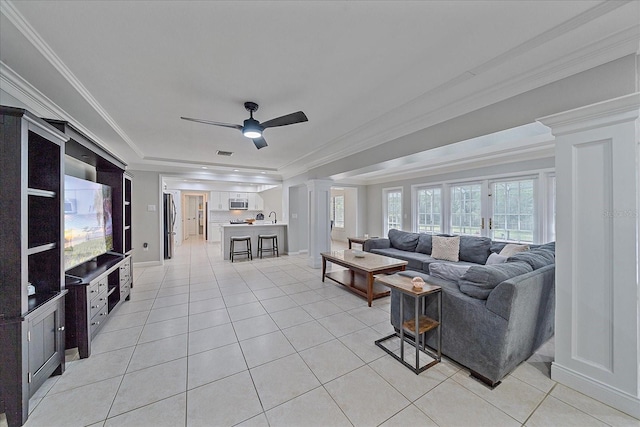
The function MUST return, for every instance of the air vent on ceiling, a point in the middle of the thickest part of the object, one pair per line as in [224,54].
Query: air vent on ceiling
[224,153]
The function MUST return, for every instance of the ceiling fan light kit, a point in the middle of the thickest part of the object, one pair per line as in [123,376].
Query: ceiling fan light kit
[252,128]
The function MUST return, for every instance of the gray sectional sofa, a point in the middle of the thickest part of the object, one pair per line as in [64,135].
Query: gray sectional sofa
[493,316]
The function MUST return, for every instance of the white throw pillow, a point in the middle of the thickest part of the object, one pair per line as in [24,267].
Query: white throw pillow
[495,258]
[447,271]
[511,249]
[446,248]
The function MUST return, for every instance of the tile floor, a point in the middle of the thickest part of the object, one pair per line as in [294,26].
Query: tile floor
[204,342]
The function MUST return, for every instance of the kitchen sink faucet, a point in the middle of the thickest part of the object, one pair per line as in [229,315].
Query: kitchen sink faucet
[275,217]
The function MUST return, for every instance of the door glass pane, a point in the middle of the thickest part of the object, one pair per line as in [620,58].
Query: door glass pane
[429,213]
[394,210]
[466,209]
[513,211]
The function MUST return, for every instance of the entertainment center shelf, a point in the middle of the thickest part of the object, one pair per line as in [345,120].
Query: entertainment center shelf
[32,307]
[95,289]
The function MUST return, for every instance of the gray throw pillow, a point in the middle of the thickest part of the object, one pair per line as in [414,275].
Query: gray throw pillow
[495,258]
[536,258]
[447,271]
[403,240]
[424,243]
[479,281]
[475,249]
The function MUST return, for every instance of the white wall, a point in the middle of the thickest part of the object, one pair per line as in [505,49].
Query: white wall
[146,225]
[375,205]
[298,219]
[272,202]
[350,214]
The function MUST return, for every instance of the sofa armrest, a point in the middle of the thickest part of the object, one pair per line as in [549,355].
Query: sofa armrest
[520,293]
[381,243]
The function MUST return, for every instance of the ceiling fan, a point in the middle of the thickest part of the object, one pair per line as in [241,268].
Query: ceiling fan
[252,128]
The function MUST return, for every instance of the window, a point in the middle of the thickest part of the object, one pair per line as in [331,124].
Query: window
[337,211]
[393,214]
[429,210]
[513,210]
[466,209]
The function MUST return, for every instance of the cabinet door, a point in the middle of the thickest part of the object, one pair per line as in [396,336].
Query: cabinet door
[259,203]
[46,346]
[224,200]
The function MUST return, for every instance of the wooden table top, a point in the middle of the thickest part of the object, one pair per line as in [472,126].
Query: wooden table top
[404,284]
[368,262]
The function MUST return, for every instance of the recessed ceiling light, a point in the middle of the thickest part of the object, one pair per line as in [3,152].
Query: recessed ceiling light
[236,170]
[263,172]
[204,167]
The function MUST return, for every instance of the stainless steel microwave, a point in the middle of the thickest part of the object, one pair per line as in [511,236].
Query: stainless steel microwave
[238,204]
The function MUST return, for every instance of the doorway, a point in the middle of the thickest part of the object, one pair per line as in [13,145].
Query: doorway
[194,214]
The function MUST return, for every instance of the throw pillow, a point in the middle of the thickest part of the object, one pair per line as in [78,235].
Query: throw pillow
[512,249]
[446,248]
[447,271]
[496,259]
[403,240]
[479,281]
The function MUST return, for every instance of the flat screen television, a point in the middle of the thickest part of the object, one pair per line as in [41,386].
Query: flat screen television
[88,227]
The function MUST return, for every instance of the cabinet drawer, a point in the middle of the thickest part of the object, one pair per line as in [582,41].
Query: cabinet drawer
[97,287]
[97,304]
[98,320]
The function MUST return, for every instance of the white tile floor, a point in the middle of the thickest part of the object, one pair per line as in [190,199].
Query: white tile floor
[266,343]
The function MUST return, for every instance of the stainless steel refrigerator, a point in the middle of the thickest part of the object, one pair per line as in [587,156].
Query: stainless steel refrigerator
[169,209]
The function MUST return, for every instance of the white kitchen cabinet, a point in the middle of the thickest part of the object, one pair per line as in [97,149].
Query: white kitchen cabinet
[219,201]
[255,202]
[235,195]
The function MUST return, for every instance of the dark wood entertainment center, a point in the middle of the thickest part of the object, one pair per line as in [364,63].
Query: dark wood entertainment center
[65,310]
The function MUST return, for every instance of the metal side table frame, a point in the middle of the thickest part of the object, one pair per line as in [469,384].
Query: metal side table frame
[420,325]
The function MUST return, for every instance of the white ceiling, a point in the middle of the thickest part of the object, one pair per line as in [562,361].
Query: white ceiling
[365,73]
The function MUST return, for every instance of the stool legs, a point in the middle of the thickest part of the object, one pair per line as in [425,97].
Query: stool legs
[248,250]
[274,245]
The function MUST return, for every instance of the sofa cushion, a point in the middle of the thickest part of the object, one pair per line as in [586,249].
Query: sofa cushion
[475,249]
[511,249]
[447,270]
[424,243]
[479,281]
[415,259]
[446,248]
[403,240]
[536,258]
[496,247]
[495,258]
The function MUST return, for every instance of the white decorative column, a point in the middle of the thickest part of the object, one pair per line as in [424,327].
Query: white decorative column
[597,274]
[319,222]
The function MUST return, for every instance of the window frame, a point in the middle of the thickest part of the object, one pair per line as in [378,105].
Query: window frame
[537,199]
[415,189]
[385,214]
[332,211]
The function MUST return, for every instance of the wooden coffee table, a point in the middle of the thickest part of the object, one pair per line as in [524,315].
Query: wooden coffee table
[359,276]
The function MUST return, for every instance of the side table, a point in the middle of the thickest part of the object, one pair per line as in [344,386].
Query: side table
[419,325]
[359,240]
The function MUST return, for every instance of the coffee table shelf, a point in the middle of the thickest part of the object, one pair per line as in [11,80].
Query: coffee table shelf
[359,278]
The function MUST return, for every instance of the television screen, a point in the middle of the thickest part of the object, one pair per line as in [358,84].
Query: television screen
[88,230]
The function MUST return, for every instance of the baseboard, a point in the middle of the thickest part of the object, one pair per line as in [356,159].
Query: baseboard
[611,396]
[147,264]
[300,252]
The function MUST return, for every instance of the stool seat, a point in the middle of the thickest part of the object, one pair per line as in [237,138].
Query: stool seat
[246,251]
[274,244]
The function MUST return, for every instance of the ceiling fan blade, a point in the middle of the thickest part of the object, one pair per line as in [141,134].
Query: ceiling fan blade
[209,122]
[289,119]
[260,142]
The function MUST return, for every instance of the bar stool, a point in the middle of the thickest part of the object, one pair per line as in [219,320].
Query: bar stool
[246,251]
[274,244]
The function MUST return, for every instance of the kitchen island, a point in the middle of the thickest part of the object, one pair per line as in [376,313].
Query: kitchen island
[230,230]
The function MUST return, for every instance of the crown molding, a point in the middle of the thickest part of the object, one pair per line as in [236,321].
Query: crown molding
[33,99]
[613,111]
[617,45]
[15,17]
